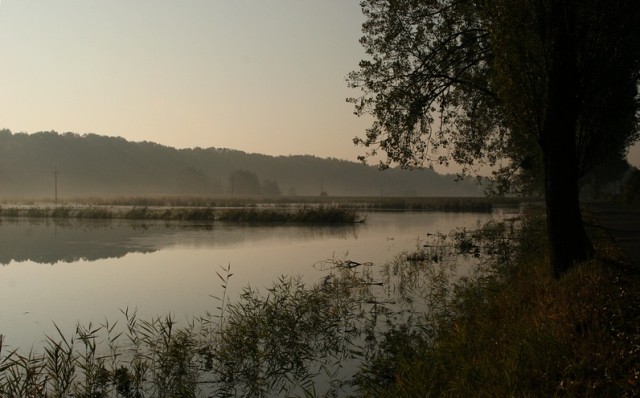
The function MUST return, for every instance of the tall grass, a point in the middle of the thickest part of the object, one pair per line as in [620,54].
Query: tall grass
[512,330]
[389,202]
[317,214]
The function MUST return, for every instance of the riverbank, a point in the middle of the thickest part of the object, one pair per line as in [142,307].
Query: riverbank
[515,331]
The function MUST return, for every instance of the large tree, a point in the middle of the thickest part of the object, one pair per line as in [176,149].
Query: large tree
[542,90]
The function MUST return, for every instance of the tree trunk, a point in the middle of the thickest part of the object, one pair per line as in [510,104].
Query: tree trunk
[568,240]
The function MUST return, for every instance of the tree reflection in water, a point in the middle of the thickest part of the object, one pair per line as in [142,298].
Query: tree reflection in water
[292,339]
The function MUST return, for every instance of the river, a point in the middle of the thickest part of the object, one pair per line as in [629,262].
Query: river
[88,271]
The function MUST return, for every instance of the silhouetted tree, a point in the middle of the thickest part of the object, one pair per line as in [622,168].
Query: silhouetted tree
[542,89]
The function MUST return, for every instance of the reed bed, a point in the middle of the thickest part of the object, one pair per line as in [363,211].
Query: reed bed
[263,343]
[317,215]
[513,330]
[337,210]
[360,202]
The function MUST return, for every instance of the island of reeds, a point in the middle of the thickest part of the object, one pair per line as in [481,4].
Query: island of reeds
[335,210]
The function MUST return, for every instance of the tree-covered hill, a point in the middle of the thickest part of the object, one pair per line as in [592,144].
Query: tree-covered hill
[94,165]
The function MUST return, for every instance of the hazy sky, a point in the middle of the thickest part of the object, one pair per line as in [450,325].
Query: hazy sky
[263,76]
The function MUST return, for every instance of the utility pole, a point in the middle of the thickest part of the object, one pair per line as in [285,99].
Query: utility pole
[55,179]
[322,191]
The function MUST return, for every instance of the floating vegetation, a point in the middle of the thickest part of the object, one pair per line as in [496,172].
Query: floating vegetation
[318,215]
[258,210]
[106,213]
[454,204]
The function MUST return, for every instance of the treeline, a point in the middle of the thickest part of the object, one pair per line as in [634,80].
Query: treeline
[33,165]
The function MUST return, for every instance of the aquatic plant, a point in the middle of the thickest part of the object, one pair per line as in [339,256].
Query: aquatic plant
[317,215]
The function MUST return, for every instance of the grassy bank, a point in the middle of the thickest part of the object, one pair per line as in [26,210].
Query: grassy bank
[514,331]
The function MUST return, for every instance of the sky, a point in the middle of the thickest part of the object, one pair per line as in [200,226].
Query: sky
[261,76]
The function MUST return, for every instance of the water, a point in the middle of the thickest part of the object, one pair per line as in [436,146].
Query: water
[81,272]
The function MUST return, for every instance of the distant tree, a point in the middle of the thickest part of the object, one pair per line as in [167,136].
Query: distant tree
[95,165]
[192,181]
[543,90]
[270,188]
[216,186]
[244,182]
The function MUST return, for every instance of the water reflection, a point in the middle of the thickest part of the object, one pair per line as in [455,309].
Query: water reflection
[161,268]
[68,241]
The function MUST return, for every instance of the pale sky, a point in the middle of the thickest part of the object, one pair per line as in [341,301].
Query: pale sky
[265,76]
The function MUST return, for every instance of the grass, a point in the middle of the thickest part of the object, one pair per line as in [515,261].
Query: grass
[364,202]
[512,330]
[146,359]
[325,210]
[317,215]
[258,345]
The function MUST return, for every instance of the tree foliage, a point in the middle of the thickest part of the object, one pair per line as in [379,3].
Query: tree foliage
[244,182]
[541,90]
[469,81]
[94,165]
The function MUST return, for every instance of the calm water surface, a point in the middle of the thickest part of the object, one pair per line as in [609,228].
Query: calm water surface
[88,271]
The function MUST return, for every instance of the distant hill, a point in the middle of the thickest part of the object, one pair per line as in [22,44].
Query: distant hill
[94,165]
